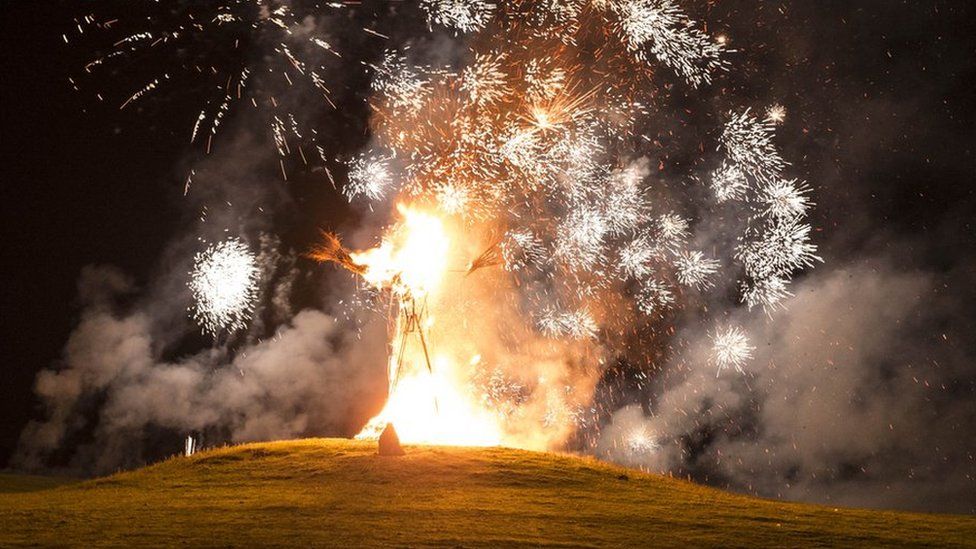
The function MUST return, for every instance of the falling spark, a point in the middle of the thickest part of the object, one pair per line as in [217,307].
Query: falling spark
[401,84]
[211,49]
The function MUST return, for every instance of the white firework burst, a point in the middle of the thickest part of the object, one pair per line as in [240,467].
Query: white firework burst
[776,114]
[369,177]
[782,247]
[637,257]
[640,442]
[577,156]
[522,249]
[729,183]
[748,142]
[766,292]
[459,15]
[625,206]
[671,37]
[484,80]
[785,199]
[224,284]
[580,239]
[654,297]
[402,85]
[453,198]
[672,229]
[731,349]
[542,82]
[695,270]
[579,324]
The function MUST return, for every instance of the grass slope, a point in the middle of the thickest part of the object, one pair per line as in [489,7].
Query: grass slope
[12,483]
[338,492]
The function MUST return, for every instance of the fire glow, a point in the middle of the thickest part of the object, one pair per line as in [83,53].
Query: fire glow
[534,234]
[429,401]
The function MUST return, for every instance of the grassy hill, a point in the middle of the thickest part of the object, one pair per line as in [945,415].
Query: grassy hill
[12,483]
[338,492]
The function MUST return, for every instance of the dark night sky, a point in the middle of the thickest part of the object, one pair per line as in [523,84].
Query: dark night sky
[74,192]
[881,124]
[87,186]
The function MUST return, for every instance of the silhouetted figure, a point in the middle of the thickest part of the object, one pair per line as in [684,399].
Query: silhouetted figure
[390,442]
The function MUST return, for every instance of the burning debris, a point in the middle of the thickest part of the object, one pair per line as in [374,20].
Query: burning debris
[332,250]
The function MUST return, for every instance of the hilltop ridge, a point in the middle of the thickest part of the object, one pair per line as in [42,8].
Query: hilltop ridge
[325,492]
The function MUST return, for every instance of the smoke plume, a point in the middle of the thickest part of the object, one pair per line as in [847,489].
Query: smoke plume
[861,393]
[113,389]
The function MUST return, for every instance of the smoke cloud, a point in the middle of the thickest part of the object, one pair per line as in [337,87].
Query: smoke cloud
[860,393]
[296,383]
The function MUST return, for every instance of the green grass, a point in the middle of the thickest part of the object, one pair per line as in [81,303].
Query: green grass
[338,492]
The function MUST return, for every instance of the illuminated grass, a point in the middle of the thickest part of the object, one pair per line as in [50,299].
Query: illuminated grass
[338,492]
[11,483]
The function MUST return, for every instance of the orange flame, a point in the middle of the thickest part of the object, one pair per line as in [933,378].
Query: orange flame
[413,261]
[429,401]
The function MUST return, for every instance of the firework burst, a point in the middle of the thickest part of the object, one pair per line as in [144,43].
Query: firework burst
[459,15]
[748,142]
[660,28]
[514,139]
[369,178]
[228,53]
[731,349]
[224,284]
[695,270]
[654,297]
[640,442]
[539,162]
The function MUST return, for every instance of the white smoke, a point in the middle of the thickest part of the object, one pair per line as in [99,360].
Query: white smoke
[859,394]
[114,385]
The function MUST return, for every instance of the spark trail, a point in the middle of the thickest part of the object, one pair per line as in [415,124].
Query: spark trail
[227,55]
